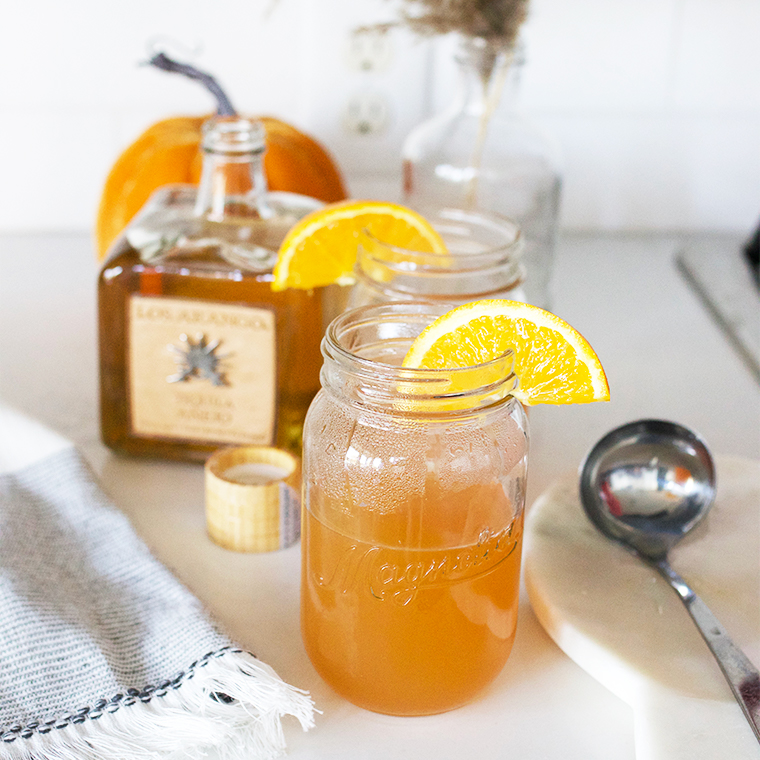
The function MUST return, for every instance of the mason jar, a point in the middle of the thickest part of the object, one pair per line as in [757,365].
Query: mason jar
[412,518]
[483,260]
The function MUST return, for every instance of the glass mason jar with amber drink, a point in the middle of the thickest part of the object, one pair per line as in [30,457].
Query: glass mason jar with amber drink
[415,460]
[414,495]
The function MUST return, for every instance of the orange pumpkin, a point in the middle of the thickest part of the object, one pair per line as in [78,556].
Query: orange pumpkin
[168,152]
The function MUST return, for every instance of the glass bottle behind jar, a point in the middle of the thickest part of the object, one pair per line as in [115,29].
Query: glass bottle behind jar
[483,261]
[196,351]
[481,154]
[413,514]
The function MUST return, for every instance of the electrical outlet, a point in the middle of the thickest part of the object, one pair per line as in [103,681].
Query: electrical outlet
[366,113]
[363,91]
[369,50]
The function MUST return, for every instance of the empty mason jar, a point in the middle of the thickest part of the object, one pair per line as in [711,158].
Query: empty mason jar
[413,514]
[483,261]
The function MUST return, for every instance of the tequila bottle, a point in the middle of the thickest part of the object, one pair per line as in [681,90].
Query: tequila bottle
[196,351]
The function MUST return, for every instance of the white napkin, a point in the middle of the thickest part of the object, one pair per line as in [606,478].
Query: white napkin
[103,653]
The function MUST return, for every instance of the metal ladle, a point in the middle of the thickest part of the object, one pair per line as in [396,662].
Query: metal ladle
[646,485]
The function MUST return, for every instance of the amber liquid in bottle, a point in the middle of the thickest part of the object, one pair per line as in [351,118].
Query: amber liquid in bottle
[196,350]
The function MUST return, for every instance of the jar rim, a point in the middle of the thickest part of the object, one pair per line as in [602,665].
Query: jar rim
[491,255]
[484,258]
[385,383]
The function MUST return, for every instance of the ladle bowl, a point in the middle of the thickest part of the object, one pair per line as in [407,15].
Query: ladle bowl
[647,484]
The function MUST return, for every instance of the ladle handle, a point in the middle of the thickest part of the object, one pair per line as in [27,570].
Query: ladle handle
[741,674]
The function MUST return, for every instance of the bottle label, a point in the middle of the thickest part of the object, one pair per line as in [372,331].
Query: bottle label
[201,371]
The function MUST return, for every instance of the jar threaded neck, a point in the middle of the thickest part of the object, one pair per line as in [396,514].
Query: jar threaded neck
[363,351]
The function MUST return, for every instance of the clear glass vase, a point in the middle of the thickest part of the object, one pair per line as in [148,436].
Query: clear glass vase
[480,154]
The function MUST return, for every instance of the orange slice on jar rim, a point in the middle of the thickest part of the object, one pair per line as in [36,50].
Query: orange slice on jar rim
[321,248]
[552,361]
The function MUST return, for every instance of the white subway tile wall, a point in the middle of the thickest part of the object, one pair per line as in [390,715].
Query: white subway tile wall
[655,103]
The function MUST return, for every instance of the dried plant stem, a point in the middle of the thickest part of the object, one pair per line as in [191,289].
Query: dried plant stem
[493,82]
[163,62]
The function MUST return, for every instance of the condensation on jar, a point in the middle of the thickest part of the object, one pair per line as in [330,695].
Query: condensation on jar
[413,515]
[483,260]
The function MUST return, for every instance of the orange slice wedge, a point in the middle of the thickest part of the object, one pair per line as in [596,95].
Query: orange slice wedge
[321,248]
[553,362]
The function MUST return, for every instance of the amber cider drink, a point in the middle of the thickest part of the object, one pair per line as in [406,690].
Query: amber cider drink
[413,518]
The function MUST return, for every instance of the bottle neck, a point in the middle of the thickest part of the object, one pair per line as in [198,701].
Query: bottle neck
[233,183]
[488,76]
[364,348]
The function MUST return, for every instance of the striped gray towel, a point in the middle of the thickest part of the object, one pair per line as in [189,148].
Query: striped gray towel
[103,653]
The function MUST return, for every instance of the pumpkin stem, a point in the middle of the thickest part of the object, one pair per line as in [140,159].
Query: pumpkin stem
[223,105]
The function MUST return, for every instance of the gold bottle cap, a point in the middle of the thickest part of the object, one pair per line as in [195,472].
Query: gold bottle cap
[253,499]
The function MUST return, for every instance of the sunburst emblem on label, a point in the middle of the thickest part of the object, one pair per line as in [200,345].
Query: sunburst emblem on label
[198,360]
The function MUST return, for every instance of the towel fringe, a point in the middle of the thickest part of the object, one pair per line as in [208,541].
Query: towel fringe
[233,705]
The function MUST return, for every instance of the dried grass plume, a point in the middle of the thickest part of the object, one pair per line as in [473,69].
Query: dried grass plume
[497,21]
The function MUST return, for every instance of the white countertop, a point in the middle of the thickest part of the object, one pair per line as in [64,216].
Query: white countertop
[664,358]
